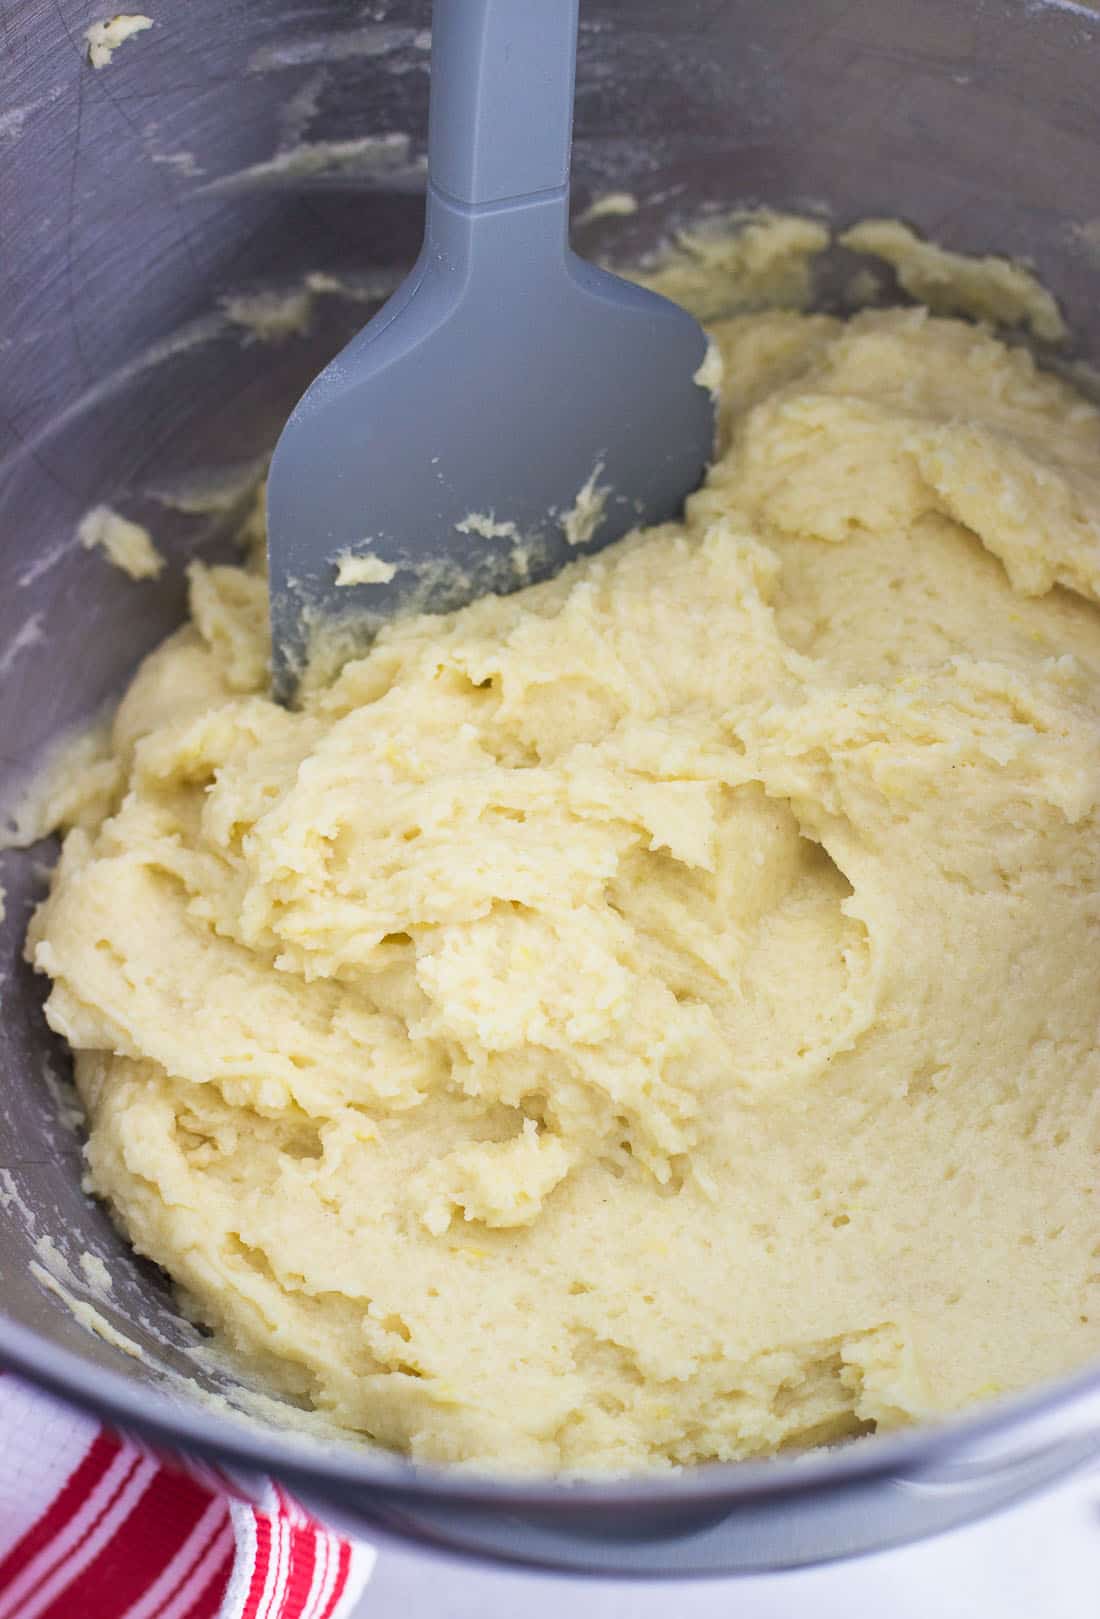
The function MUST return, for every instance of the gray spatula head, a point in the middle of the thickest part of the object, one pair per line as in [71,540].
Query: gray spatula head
[511,405]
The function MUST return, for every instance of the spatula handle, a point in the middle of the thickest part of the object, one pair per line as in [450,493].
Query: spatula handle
[501,119]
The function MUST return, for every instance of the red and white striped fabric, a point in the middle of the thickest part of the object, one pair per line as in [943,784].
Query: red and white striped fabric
[95,1526]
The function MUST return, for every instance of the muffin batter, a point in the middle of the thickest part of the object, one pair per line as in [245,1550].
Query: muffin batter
[653,1017]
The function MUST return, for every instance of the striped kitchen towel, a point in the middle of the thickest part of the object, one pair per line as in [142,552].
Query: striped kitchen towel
[95,1526]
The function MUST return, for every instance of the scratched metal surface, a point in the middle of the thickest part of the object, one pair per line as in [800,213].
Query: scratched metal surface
[137,202]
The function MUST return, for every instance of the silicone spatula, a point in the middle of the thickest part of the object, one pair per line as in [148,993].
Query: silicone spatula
[511,406]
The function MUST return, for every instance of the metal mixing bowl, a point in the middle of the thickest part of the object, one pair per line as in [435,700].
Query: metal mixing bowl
[136,203]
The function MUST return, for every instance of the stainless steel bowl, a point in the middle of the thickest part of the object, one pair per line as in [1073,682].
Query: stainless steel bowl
[136,203]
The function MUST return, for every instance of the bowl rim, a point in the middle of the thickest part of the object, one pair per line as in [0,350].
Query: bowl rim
[339,1468]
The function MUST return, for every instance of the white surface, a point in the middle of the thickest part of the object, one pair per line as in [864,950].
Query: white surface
[1037,1561]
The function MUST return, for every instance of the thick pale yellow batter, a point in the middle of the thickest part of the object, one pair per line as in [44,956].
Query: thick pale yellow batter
[653,1017]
